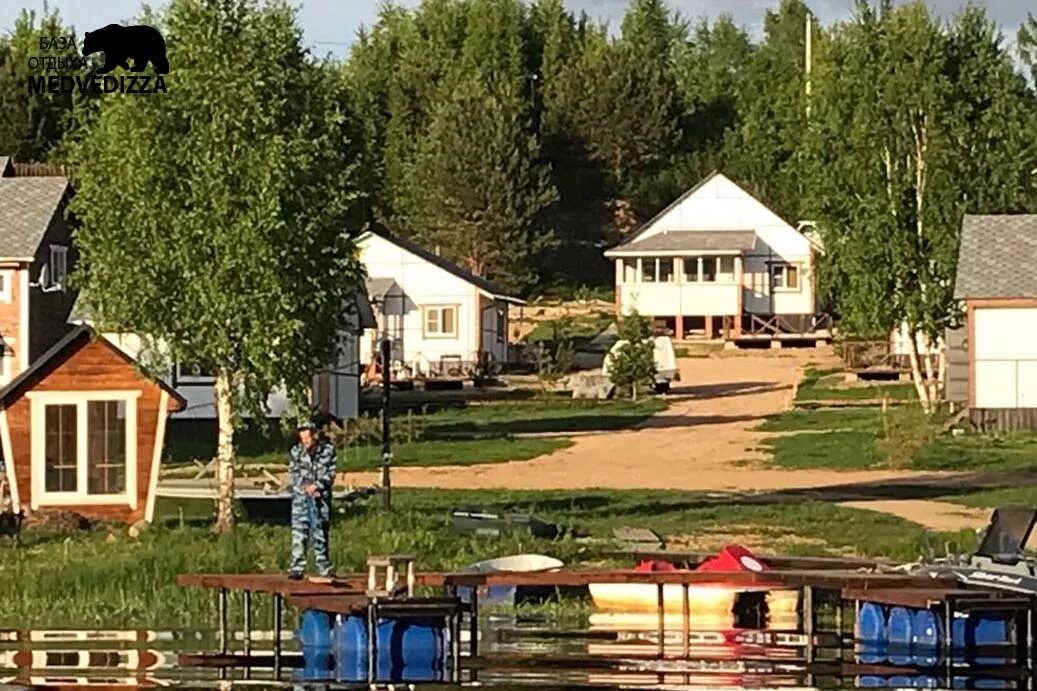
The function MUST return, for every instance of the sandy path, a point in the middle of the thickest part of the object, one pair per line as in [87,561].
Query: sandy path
[703,441]
[937,515]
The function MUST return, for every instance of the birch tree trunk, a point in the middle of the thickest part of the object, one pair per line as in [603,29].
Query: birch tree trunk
[224,453]
[917,376]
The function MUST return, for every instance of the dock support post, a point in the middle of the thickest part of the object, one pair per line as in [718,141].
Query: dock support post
[372,640]
[1031,631]
[473,628]
[222,607]
[455,647]
[278,600]
[839,624]
[808,621]
[948,641]
[685,622]
[661,602]
[247,637]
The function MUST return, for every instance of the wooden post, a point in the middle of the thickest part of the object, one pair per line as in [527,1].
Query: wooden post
[278,601]
[386,488]
[678,328]
[660,600]
[247,634]
[372,640]
[685,622]
[222,600]
[709,328]
[808,621]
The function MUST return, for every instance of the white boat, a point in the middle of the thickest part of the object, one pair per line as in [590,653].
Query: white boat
[705,601]
[509,594]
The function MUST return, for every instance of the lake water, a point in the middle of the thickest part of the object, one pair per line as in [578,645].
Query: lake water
[530,653]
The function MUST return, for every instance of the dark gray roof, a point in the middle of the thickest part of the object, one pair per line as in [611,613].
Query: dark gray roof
[691,241]
[27,206]
[448,266]
[379,288]
[46,363]
[365,312]
[996,257]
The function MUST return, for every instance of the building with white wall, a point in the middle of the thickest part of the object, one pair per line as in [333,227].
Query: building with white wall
[713,258]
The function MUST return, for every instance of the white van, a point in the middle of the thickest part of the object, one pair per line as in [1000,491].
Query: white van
[665,363]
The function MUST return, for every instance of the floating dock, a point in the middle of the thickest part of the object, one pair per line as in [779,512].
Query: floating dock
[814,648]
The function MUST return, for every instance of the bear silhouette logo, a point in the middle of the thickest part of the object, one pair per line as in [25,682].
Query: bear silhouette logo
[120,43]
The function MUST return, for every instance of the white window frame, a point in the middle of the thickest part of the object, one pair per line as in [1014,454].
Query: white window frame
[439,310]
[7,355]
[782,269]
[6,290]
[39,400]
[58,252]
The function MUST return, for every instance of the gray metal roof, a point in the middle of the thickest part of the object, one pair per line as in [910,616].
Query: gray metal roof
[379,288]
[996,257]
[27,206]
[690,241]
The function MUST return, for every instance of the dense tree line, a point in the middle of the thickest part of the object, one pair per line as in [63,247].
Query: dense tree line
[521,139]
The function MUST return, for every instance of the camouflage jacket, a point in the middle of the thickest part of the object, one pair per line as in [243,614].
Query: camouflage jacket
[317,469]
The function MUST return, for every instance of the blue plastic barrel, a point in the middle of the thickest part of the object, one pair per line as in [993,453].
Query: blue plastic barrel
[986,628]
[926,635]
[314,629]
[926,681]
[407,650]
[899,632]
[871,681]
[316,663]
[349,643]
[871,623]
[901,681]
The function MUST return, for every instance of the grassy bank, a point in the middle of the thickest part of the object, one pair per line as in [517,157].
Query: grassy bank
[91,579]
[488,433]
[828,384]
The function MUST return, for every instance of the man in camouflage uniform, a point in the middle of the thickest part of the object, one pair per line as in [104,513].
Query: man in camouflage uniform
[311,464]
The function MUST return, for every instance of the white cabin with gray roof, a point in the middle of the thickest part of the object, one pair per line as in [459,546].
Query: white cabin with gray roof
[992,362]
[717,262]
[440,318]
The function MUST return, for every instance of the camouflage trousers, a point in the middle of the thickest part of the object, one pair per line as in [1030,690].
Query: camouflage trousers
[311,518]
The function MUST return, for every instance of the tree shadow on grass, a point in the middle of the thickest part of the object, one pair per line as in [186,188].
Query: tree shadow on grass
[561,425]
[692,392]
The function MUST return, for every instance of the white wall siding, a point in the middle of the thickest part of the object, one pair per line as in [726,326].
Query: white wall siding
[1005,347]
[721,205]
[424,284]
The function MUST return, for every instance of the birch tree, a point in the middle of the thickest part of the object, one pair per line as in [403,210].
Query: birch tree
[214,217]
[912,121]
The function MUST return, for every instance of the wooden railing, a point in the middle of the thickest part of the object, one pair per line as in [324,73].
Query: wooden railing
[789,324]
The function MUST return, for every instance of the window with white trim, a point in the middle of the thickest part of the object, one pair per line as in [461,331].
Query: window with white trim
[58,266]
[440,321]
[630,270]
[84,447]
[6,279]
[657,270]
[190,373]
[785,277]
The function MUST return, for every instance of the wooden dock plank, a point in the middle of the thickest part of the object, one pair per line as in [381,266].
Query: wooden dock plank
[347,584]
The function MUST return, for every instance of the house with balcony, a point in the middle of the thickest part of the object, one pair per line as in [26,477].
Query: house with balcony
[717,263]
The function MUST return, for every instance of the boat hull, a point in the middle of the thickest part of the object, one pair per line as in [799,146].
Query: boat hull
[704,601]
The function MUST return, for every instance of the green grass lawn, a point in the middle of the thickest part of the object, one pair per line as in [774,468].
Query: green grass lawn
[826,385]
[487,433]
[979,452]
[91,579]
[851,450]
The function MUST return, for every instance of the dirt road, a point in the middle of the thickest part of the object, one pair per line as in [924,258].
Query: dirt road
[704,441]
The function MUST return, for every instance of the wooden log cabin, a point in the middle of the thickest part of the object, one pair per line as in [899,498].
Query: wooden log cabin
[82,430]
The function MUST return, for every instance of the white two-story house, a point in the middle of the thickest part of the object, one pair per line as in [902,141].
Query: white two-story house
[717,262]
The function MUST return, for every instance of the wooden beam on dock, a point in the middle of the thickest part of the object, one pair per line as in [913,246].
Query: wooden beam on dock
[349,584]
[924,598]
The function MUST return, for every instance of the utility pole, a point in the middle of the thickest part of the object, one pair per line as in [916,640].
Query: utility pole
[809,58]
[386,489]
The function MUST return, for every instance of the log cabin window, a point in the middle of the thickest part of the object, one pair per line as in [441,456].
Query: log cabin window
[440,321]
[61,464]
[785,277]
[106,447]
[84,447]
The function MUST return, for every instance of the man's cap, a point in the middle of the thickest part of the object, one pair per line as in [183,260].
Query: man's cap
[307,424]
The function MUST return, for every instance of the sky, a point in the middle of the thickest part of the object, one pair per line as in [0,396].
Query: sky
[330,26]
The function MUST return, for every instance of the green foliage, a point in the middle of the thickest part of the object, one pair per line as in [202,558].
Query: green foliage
[632,367]
[33,125]
[234,212]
